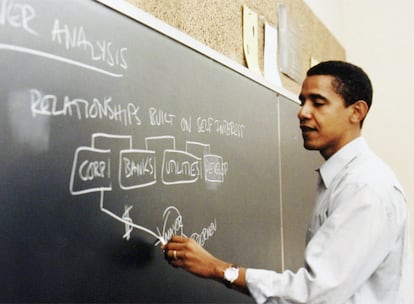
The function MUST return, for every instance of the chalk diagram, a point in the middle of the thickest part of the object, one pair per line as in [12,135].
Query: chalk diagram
[137,168]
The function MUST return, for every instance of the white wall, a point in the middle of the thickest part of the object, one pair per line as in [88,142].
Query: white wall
[378,35]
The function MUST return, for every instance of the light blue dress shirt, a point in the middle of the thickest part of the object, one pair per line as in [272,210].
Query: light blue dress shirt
[358,246]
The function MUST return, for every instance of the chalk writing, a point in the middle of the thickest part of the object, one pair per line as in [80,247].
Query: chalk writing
[99,167]
[137,168]
[92,170]
[128,222]
[214,167]
[221,127]
[17,15]
[173,224]
[205,234]
[75,38]
[186,124]
[51,105]
[84,180]
[160,117]
[22,16]
[210,125]
[102,165]
[180,167]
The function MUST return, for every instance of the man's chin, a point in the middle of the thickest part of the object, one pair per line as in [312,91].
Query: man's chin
[309,146]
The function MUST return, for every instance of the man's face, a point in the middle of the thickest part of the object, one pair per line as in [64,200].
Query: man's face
[324,119]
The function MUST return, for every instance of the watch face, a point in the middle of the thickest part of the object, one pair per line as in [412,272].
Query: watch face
[231,274]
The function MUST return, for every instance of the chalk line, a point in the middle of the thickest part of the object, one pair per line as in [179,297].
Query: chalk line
[34,52]
[159,238]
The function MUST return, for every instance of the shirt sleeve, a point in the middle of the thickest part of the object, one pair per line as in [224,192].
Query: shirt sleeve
[349,246]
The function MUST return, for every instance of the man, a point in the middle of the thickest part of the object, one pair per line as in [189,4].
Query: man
[358,246]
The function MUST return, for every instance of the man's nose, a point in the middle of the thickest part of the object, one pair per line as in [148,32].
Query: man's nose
[304,112]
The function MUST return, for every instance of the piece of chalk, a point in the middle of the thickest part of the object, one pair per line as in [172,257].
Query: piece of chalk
[160,240]
[163,242]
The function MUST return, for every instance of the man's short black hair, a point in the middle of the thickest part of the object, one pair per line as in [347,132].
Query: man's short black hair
[351,82]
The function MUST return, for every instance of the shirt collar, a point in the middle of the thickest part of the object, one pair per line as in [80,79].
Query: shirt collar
[340,159]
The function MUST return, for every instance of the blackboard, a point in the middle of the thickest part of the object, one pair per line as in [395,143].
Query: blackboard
[298,179]
[113,136]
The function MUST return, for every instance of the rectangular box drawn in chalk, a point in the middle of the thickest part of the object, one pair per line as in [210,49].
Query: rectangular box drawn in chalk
[197,148]
[180,167]
[214,168]
[91,171]
[137,168]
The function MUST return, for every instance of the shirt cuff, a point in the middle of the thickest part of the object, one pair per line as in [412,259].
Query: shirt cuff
[263,284]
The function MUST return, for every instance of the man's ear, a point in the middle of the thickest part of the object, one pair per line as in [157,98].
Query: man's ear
[359,111]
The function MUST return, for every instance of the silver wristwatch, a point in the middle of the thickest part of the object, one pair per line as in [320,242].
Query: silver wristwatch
[230,275]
